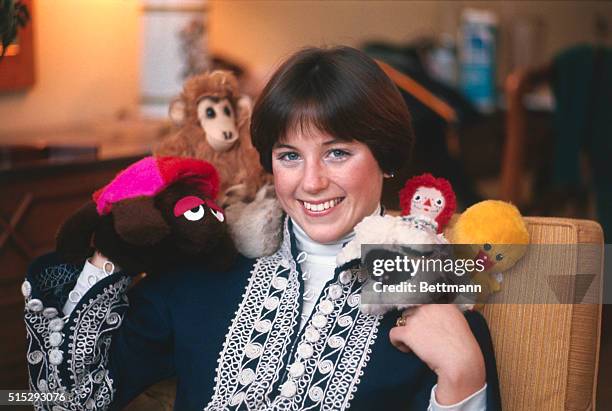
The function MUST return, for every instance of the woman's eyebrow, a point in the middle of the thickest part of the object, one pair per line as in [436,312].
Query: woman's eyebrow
[325,143]
[281,145]
[333,141]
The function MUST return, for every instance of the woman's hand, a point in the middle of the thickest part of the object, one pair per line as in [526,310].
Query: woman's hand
[440,336]
[98,260]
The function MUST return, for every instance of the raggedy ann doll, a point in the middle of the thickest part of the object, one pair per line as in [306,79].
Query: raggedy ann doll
[427,203]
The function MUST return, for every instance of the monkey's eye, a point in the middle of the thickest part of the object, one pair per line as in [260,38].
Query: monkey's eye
[195,214]
[218,214]
[210,113]
[499,257]
[487,247]
[227,111]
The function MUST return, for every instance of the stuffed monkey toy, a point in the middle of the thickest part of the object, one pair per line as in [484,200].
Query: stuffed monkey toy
[214,120]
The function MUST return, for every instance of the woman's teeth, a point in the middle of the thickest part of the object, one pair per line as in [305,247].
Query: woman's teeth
[322,206]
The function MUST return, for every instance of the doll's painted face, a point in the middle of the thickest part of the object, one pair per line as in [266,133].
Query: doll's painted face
[428,202]
[325,185]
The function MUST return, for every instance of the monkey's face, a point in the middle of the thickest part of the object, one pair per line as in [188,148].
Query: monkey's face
[218,120]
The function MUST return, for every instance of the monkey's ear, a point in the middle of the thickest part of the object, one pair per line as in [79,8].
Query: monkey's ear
[73,239]
[137,221]
[244,107]
[177,111]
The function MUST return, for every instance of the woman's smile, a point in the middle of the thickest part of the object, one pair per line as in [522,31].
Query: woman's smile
[320,208]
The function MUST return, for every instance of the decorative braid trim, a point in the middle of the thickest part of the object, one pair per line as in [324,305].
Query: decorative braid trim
[328,356]
[74,348]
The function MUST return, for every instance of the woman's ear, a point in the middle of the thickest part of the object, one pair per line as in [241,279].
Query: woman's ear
[137,221]
[73,240]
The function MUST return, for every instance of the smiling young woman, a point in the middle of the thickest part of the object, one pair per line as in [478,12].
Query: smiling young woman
[329,125]
[283,331]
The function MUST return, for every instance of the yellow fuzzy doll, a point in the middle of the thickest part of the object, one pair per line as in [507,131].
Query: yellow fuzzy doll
[493,232]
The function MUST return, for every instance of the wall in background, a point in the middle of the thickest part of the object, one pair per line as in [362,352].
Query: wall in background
[87,52]
[86,57]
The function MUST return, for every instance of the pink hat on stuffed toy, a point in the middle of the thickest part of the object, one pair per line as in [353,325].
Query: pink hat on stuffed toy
[151,175]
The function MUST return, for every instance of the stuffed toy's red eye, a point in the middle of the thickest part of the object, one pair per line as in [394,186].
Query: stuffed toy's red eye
[188,204]
[218,214]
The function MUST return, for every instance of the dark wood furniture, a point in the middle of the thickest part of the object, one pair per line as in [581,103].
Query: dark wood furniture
[517,85]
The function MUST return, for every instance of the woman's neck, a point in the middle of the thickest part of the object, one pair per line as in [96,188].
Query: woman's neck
[309,246]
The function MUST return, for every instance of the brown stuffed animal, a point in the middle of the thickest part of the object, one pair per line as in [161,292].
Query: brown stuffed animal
[156,214]
[214,126]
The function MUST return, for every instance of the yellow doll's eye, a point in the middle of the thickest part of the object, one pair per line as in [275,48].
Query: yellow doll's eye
[499,257]
[487,247]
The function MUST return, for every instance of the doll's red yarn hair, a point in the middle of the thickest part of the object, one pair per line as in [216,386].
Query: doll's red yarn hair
[427,180]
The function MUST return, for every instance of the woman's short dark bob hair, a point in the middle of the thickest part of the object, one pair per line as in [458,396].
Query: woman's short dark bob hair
[339,91]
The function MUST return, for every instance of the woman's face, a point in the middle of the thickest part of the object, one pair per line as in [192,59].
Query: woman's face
[324,184]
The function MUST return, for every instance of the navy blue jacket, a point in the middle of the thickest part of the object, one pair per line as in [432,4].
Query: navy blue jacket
[175,324]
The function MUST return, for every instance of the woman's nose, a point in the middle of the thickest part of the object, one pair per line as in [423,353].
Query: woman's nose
[314,178]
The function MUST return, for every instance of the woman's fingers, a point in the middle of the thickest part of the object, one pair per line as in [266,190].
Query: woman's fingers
[396,337]
[401,332]
[441,337]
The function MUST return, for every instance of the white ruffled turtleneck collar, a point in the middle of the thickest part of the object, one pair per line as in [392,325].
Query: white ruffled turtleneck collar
[318,264]
[305,244]
[309,246]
